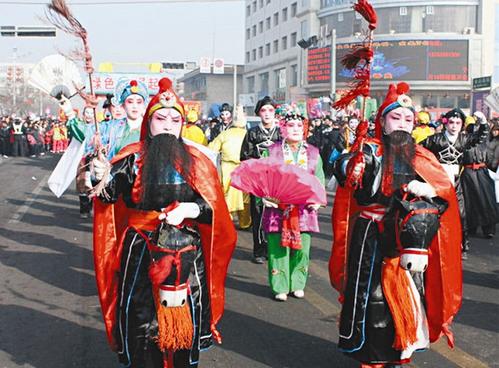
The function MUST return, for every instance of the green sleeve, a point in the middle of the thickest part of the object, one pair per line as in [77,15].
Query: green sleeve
[319,171]
[76,128]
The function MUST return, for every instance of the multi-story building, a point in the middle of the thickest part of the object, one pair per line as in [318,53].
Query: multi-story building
[207,89]
[438,47]
[273,59]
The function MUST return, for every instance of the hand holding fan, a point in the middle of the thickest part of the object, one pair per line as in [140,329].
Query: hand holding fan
[55,75]
[288,184]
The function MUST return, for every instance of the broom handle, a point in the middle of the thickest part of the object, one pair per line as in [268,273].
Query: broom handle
[364,101]
[95,113]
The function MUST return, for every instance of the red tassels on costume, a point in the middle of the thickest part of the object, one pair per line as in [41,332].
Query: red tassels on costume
[400,299]
[368,13]
[174,325]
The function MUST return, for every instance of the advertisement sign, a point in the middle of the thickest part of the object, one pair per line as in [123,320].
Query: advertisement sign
[218,66]
[192,105]
[104,83]
[412,60]
[319,65]
[204,65]
[478,102]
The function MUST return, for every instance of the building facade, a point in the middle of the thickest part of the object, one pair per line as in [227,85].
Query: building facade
[273,59]
[438,47]
[207,89]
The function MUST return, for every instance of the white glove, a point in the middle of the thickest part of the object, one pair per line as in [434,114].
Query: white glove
[268,203]
[420,189]
[66,107]
[180,213]
[414,262]
[480,117]
[99,168]
[314,207]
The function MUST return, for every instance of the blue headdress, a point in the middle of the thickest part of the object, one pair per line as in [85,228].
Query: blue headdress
[126,87]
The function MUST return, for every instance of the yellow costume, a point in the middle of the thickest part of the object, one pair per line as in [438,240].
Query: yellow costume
[423,131]
[194,133]
[229,143]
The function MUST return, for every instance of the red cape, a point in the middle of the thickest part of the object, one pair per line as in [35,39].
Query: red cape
[443,278]
[218,240]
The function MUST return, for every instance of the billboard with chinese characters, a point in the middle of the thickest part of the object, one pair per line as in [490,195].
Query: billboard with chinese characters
[413,60]
[105,83]
[319,65]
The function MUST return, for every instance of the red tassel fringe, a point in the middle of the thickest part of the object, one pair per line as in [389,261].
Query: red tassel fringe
[364,8]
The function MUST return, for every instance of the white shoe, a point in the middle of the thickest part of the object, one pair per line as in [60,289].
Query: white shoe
[281,297]
[299,294]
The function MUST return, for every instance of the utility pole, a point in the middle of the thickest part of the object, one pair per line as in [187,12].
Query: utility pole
[333,65]
[14,93]
[235,87]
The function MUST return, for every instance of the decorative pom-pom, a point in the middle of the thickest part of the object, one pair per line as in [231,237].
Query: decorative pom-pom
[133,83]
[402,88]
[164,84]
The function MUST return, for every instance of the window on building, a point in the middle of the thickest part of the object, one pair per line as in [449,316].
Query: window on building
[294,7]
[403,10]
[340,17]
[247,56]
[268,2]
[293,76]
[254,6]
[276,19]
[463,102]
[267,49]
[430,101]
[253,53]
[260,26]
[284,43]
[284,14]
[304,29]
[260,52]
[430,10]
[264,83]
[253,30]
[280,78]
[250,82]
[267,23]
[248,10]
[293,40]
[248,33]
[261,4]
[447,102]
[276,46]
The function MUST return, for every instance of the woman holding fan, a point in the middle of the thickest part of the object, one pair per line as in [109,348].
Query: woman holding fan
[288,227]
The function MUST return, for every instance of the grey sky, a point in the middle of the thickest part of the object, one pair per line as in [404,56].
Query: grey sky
[137,33]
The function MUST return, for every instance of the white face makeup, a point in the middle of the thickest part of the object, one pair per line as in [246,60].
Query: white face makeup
[166,121]
[226,117]
[117,112]
[400,118]
[267,114]
[292,131]
[134,107]
[454,126]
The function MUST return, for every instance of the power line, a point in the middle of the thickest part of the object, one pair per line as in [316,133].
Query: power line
[122,2]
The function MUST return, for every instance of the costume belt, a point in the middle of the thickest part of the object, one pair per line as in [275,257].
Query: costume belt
[374,212]
[143,220]
[475,166]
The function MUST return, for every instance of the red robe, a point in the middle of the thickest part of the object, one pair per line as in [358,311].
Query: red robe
[218,240]
[443,278]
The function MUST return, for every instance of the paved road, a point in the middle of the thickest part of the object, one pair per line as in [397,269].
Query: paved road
[50,318]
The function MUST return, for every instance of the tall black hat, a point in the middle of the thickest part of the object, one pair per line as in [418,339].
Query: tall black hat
[264,101]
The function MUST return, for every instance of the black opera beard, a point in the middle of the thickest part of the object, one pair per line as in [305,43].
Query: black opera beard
[398,160]
[162,152]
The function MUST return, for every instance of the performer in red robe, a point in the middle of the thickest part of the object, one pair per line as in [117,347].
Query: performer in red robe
[396,253]
[163,239]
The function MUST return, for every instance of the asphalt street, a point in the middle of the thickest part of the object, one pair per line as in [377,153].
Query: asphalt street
[50,316]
